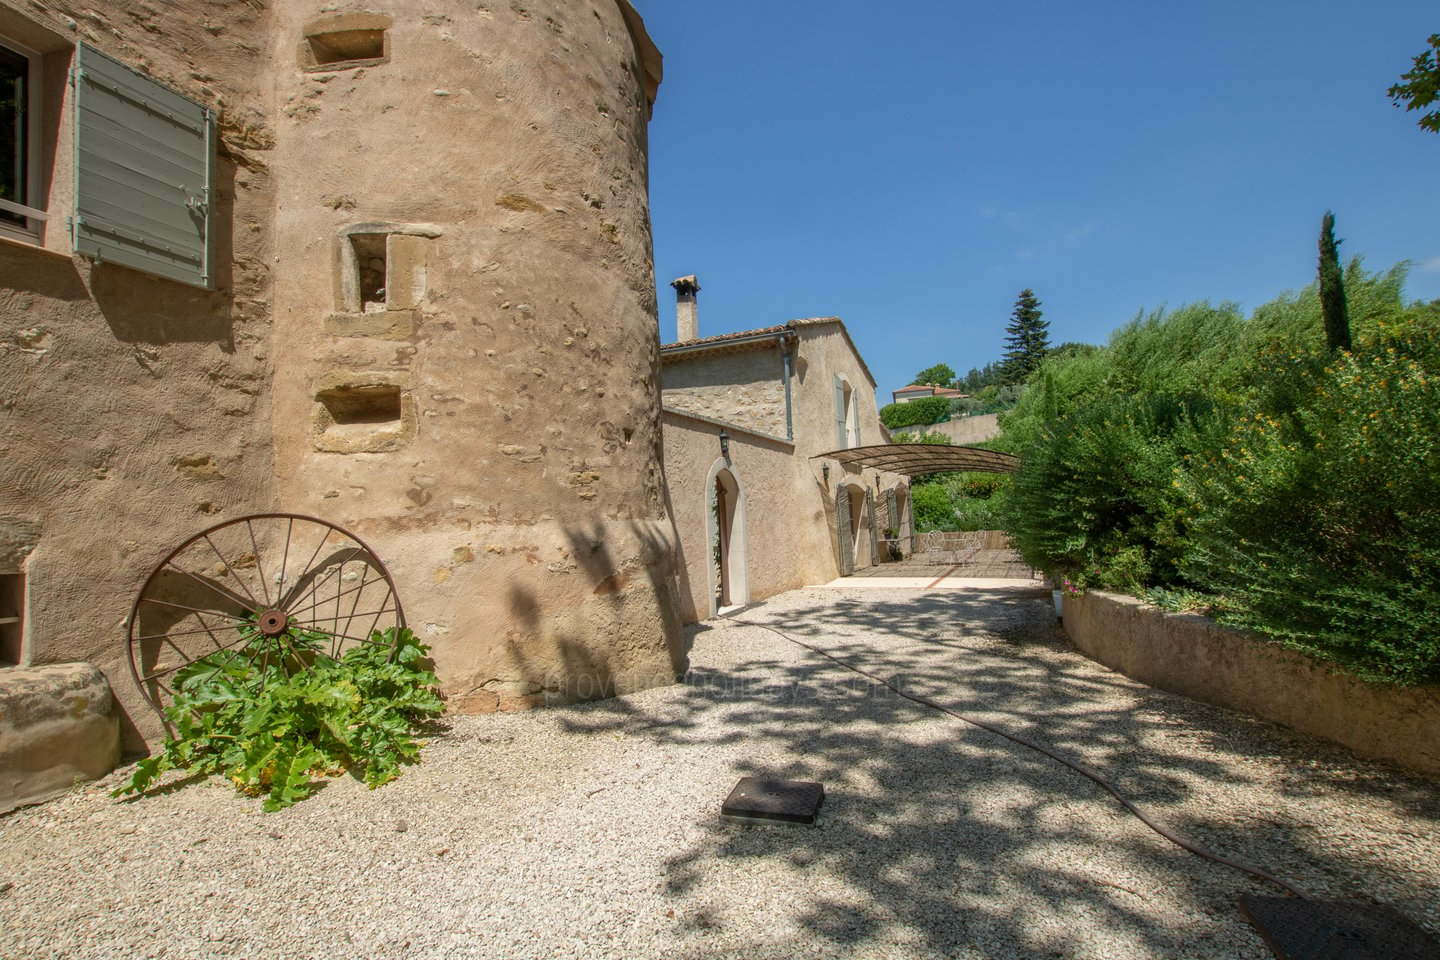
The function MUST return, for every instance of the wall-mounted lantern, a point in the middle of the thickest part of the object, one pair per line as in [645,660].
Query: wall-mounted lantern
[825,472]
[725,445]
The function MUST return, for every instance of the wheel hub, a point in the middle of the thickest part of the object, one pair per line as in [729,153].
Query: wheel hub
[272,623]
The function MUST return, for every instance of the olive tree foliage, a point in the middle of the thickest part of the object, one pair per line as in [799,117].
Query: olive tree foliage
[939,375]
[1421,86]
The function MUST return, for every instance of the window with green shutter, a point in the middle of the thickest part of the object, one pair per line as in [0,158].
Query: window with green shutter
[144,172]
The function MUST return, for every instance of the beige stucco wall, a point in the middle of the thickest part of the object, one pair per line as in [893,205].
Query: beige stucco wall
[745,386]
[825,350]
[519,503]
[1195,657]
[787,541]
[134,411]
[792,534]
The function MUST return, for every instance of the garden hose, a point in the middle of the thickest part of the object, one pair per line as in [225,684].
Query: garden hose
[1079,768]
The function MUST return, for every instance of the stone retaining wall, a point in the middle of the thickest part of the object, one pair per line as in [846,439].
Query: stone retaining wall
[58,725]
[964,430]
[1195,657]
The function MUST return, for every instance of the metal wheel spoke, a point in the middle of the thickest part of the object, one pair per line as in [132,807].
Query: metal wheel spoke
[284,562]
[179,633]
[381,612]
[207,584]
[329,599]
[355,600]
[180,606]
[259,564]
[230,569]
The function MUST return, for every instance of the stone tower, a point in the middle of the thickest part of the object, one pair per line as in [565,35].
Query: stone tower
[465,330]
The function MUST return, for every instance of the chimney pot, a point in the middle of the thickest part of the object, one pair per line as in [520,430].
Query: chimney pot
[687,315]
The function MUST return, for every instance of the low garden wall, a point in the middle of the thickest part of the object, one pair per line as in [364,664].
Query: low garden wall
[1193,656]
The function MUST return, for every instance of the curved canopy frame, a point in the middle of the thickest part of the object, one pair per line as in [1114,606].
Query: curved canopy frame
[912,459]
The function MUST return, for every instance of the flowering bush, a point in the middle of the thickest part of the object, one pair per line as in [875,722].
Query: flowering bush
[1237,465]
[1321,528]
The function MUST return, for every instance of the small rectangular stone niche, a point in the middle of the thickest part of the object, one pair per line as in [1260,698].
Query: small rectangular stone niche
[365,406]
[12,607]
[370,269]
[363,413]
[340,49]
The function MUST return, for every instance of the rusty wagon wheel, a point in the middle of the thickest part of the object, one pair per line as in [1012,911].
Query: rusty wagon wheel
[267,589]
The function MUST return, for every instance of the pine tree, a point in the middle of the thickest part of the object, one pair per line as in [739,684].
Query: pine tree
[1027,338]
[1332,288]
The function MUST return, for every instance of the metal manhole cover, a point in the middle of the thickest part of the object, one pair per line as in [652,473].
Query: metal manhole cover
[783,801]
[1307,930]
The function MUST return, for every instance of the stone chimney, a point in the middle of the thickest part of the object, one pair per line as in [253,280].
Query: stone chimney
[687,314]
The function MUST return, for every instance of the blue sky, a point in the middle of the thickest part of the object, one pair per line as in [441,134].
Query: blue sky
[912,166]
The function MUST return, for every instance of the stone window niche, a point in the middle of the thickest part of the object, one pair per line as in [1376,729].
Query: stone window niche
[363,413]
[380,279]
[368,251]
[12,618]
[345,42]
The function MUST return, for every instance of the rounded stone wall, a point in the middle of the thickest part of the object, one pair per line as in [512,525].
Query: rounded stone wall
[465,340]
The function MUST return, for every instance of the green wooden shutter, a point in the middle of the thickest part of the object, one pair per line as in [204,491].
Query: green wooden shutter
[843,531]
[855,404]
[874,533]
[144,172]
[840,443]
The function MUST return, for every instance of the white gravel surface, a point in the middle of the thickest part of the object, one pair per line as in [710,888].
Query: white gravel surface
[594,831]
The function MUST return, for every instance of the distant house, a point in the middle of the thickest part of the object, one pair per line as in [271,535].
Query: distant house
[917,390]
[743,414]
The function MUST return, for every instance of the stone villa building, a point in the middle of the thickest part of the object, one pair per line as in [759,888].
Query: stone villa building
[386,264]
[746,417]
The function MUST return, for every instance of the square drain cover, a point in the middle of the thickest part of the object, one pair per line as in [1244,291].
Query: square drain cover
[782,801]
[1307,930]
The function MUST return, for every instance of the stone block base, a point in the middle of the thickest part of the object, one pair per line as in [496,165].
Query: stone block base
[58,725]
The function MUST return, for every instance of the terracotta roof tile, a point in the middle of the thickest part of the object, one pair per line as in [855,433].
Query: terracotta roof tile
[739,335]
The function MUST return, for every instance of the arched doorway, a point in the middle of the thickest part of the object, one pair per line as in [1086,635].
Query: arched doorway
[852,524]
[729,569]
[899,520]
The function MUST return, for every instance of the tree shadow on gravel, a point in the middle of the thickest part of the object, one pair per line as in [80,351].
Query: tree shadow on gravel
[968,842]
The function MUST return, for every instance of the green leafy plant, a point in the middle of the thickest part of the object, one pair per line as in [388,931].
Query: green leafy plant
[274,714]
[925,410]
[1422,86]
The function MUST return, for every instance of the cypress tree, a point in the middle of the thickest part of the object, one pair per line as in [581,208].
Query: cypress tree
[1027,338]
[1332,288]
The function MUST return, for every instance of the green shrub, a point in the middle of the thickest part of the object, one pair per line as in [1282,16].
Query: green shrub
[1320,528]
[1237,463]
[1094,497]
[931,439]
[272,728]
[924,410]
[931,504]
[972,513]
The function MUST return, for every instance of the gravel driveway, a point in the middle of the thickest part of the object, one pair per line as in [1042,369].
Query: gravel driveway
[593,831]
